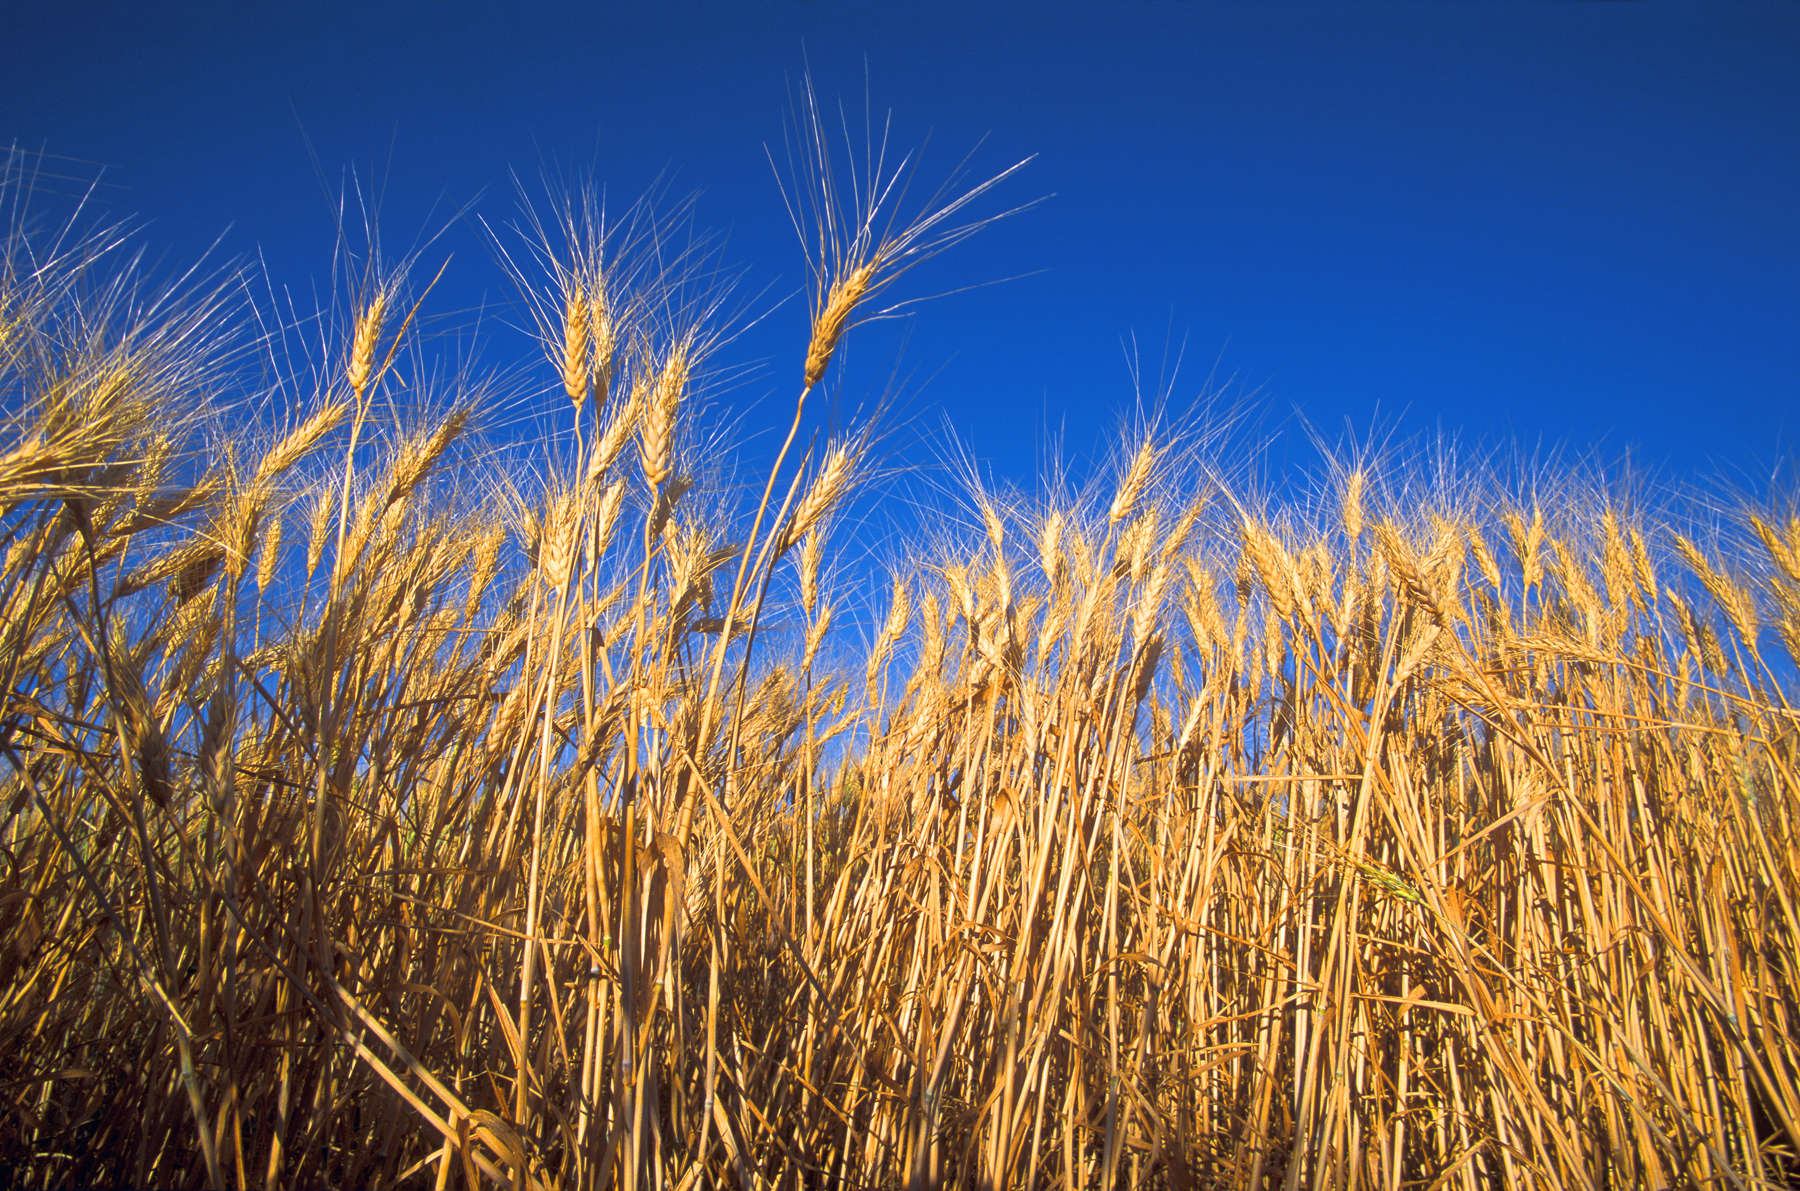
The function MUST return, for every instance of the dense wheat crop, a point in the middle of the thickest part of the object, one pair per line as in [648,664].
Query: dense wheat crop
[366,829]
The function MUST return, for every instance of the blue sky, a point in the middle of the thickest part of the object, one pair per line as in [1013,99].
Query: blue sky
[1547,221]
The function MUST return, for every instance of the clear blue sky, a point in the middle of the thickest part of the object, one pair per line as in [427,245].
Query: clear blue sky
[1576,222]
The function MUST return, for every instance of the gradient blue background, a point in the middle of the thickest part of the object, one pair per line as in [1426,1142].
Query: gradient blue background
[1540,221]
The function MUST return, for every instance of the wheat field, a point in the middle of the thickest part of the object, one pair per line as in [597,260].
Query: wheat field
[366,825]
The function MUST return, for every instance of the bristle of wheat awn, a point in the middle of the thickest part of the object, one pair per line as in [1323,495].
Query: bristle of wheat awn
[1642,568]
[1177,540]
[364,342]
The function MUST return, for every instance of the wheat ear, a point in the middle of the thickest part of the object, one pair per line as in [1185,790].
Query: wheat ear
[362,345]
[833,318]
[1136,479]
[575,360]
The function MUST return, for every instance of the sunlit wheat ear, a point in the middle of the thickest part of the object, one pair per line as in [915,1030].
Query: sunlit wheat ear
[268,551]
[606,518]
[834,481]
[898,613]
[853,256]
[1081,555]
[1352,509]
[618,432]
[995,526]
[558,545]
[484,561]
[1273,646]
[603,336]
[656,434]
[1783,585]
[1701,637]
[1784,550]
[833,318]
[1131,489]
[1204,619]
[239,531]
[575,360]
[297,442]
[217,738]
[318,525]
[1050,629]
[1484,558]
[1738,603]
[815,636]
[1431,580]
[962,596]
[933,619]
[1133,548]
[1573,576]
[1313,591]
[361,364]
[811,554]
[1642,569]
[1527,546]
[1244,578]
[1443,565]
[662,512]
[141,728]
[1147,612]
[1616,566]
[1184,527]
[1788,626]
[1050,549]
[421,454]
[1273,566]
